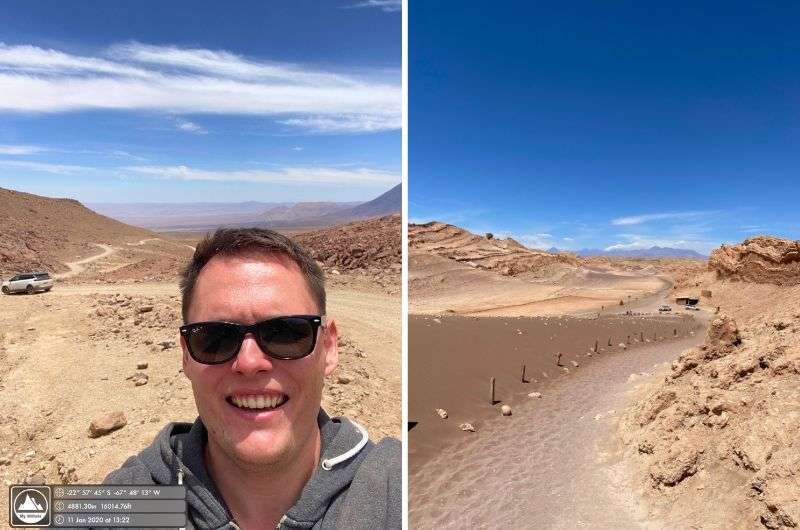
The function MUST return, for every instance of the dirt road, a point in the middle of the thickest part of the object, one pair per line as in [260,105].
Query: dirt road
[77,267]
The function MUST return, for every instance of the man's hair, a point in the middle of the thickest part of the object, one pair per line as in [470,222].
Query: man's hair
[244,241]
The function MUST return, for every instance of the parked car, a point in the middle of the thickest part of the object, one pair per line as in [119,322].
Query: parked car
[29,282]
[664,308]
[692,308]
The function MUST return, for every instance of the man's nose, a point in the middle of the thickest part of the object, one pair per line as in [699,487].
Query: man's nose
[251,359]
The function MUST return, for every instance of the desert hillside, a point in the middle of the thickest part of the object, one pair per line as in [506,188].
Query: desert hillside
[39,233]
[505,256]
[109,328]
[715,444]
[455,271]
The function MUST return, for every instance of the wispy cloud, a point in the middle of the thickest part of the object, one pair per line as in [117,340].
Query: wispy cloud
[137,76]
[646,218]
[190,127]
[297,148]
[753,229]
[21,149]
[45,167]
[390,6]
[287,175]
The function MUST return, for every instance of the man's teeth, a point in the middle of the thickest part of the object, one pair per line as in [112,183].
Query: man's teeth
[258,402]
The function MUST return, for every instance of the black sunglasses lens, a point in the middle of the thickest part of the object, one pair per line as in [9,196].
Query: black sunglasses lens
[287,337]
[213,343]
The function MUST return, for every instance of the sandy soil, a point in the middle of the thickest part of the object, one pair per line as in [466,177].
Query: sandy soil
[66,357]
[552,464]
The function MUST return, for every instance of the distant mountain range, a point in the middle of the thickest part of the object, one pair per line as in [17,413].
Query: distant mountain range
[652,252]
[207,216]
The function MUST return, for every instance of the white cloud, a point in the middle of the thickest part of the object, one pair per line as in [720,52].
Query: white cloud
[390,6]
[639,219]
[287,175]
[297,148]
[190,127]
[44,167]
[21,149]
[567,239]
[136,76]
[639,242]
[355,123]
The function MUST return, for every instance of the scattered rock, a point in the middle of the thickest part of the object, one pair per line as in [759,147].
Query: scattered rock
[107,423]
[144,309]
[4,461]
[343,380]
[535,394]
[35,480]
[467,427]
[442,413]
[167,344]
[141,365]
[505,410]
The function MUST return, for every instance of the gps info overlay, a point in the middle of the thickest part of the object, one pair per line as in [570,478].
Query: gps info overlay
[59,506]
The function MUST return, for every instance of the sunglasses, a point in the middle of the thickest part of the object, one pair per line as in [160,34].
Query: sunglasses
[285,338]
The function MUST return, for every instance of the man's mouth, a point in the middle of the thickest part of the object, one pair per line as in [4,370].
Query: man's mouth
[257,402]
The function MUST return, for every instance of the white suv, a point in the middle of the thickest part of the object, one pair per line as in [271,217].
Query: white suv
[29,282]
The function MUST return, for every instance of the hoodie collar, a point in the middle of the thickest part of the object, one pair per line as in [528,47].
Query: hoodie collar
[179,448]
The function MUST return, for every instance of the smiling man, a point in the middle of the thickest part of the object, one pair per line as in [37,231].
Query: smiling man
[257,346]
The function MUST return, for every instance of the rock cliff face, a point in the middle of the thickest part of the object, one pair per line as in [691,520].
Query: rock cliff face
[716,440]
[760,259]
[505,256]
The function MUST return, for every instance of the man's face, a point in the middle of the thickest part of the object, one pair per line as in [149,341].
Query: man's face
[248,289]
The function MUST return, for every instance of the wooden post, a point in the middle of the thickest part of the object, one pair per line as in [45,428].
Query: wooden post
[595,346]
[523,374]
[609,341]
[629,340]
[641,336]
[492,401]
[674,332]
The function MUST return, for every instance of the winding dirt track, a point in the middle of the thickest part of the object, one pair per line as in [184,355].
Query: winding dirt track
[77,267]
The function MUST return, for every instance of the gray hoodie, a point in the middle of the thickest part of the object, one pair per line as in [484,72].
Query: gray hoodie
[362,488]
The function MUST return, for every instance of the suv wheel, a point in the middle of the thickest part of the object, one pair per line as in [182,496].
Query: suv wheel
[5,290]
[29,289]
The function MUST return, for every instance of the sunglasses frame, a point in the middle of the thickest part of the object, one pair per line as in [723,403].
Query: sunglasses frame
[316,322]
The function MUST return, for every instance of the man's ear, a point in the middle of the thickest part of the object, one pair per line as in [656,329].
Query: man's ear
[331,345]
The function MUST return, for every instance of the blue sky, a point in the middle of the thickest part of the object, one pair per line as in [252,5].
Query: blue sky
[183,101]
[597,125]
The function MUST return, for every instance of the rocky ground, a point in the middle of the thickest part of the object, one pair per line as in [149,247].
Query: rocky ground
[715,443]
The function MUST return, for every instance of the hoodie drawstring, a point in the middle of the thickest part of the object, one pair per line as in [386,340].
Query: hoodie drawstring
[328,463]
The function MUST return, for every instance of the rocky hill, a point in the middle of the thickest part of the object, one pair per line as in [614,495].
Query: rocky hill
[371,244]
[715,444]
[761,259]
[505,256]
[40,233]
